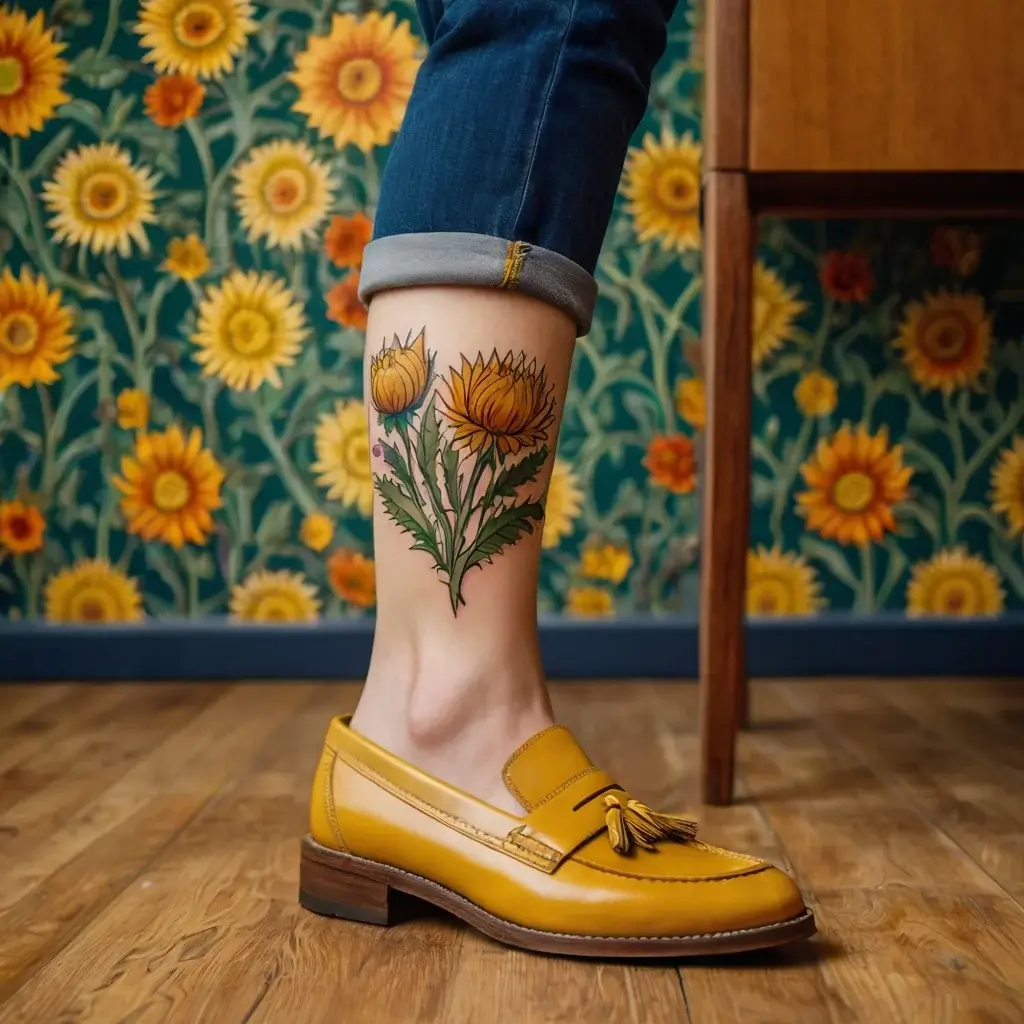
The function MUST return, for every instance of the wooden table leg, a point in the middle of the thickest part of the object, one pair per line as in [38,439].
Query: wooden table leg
[725,526]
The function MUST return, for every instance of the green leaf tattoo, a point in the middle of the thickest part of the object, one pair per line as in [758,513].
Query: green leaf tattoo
[457,463]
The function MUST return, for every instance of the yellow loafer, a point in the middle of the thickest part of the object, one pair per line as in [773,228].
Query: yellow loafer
[588,871]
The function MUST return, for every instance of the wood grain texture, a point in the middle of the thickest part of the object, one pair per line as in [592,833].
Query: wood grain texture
[725,519]
[728,68]
[886,85]
[171,896]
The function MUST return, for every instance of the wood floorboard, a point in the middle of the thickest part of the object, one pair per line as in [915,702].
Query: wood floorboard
[148,862]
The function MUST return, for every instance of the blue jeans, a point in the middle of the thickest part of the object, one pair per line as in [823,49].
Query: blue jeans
[505,168]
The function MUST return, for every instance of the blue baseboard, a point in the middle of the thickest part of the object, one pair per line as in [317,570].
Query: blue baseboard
[835,645]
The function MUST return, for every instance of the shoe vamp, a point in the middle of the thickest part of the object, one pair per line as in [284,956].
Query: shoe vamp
[668,860]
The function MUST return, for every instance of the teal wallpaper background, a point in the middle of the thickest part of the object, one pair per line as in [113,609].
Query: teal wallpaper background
[187,186]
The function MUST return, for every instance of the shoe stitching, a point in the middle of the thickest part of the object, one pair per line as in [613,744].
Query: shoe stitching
[330,806]
[521,749]
[671,881]
[565,785]
[572,935]
[495,842]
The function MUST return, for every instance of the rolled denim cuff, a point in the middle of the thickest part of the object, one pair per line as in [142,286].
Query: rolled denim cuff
[482,261]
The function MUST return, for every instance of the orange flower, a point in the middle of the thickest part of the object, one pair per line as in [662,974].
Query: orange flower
[173,99]
[847,277]
[346,238]
[352,576]
[670,462]
[21,527]
[957,249]
[343,304]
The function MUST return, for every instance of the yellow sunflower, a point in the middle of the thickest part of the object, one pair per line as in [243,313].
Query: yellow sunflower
[692,402]
[946,340]
[22,527]
[855,478]
[31,73]
[780,583]
[201,38]
[1008,486]
[92,590]
[954,583]
[606,562]
[776,306]
[816,393]
[316,531]
[662,182]
[343,456]
[354,84]
[504,403]
[187,258]
[99,199]
[170,485]
[282,192]
[274,597]
[589,601]
[563,504]
[35,330]
[248,326]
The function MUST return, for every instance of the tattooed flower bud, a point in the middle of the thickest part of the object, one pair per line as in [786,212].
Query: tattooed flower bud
[398,376]
[503,403]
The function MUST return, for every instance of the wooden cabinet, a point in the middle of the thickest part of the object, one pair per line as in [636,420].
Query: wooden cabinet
[886,85]
[826,107]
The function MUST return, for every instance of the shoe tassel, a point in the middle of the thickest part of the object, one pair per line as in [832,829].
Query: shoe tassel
[636,824]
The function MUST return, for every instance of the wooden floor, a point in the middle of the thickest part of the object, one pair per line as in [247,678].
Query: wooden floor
[148,856]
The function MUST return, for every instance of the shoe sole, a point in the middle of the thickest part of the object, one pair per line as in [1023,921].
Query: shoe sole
[341,885]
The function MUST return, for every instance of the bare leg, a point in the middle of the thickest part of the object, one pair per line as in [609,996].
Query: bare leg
[456,681]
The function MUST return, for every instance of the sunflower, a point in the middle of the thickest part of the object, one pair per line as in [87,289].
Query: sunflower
[692,402]
[316,531]
[343,456]
[248,327]
[399,376]
[847,277]
[502,404]
[187,258]
[92,590]
[946,340]
[173,100]
[170,485]
[99,199]
[354,83]
[346,238]
[274,597]
[1008,486]
[662,182]
[670,461]
[816,393]
[282,192]
[353,578]
[195,37]
[562,504]
[780,583]
[588,601]
[35,330]
[606,562]
[132,409]
[31,73]
[775,308]
[344,305]
[954,583]
[854,479]
[22,527]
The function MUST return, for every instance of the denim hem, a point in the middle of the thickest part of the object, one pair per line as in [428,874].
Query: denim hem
[483,261]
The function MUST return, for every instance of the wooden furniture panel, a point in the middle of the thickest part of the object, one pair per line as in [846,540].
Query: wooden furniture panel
[886,85]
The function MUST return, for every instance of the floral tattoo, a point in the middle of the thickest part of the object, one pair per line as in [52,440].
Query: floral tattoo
[457,460]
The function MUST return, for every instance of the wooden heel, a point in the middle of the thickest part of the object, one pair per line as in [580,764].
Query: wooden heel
[328,885]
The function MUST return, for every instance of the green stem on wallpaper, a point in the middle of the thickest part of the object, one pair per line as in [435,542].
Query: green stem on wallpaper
[293,483]
[867,577]
[49,441]
[192,577]
[113,21]
[785,477]
[140,369]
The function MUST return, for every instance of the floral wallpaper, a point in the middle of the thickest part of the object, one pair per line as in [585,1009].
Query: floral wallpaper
[187,188]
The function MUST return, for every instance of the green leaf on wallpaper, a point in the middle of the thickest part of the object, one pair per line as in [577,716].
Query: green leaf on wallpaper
[201,563]
[97,70]
[918,511]
[15,212]
[275,526]
[1006,563]
[49,154]
[831,557]
[67,492]
[762,489]
[645,413]
[84,112]
[919,420]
